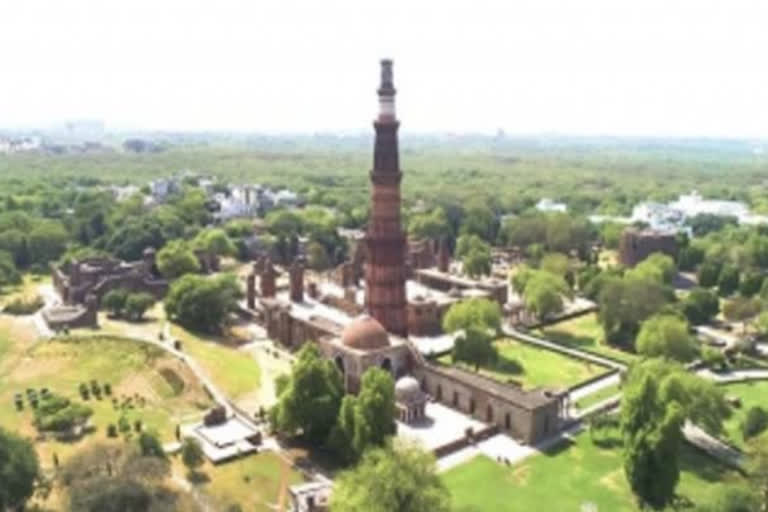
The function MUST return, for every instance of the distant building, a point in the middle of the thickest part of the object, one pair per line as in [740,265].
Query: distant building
[636,245]
[548,205]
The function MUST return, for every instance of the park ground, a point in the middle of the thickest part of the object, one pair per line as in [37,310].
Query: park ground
[578,474]
[163,390]
[534,367]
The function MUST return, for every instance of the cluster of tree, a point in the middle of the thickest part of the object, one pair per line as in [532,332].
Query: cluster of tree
[627,300]
[203,303]
[122,477]
[19,471]
[311,403]
[125,303]
[474,254]
[401,476]
[479,321]
[543,289]
[553,232]
[658,397]
[324,247]
[60,414]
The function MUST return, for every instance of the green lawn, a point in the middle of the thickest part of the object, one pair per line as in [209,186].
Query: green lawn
[253,482]
[583,332]
[130,368]
[534,367]
[235,372]
[570,476]
[751,394]
[598,396]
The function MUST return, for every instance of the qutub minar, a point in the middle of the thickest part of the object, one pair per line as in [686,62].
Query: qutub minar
[385,272]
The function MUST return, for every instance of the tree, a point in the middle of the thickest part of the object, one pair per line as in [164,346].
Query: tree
[47,241]
[652,436]
[700,306]
[751,283]
[19,470]
[365,420]
[480,221]
[689,257]
[317,256]
[215,241]
[757,470]
[708,274]
[150,445]
[475,347]
[728,280]
[202,303]
[401,477]
[176,259]
[555,263]
[755,422]
[136,304]
[741,310]
[8,272]
[544,293]
[732,498]
[310,404]
[474,254]
[114,301]
[192,454]
[666,336]
[478,313]
[625,303]
[432,226]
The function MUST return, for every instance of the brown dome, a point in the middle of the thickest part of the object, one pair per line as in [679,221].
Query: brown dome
[365,333]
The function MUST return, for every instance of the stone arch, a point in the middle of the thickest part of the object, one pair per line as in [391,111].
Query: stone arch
[439,392]
[386,364]
[507,421]
[489,414]
[472,405]
[455,398]
[340,364]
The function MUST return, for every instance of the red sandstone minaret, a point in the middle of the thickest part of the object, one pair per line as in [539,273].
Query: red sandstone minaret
[385,240]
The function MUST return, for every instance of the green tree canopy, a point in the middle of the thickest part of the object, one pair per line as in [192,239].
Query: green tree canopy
[666,336]
[479,313]
[176,258]
[216,241]
[402,477]
[310,403]
[202,303]
[19,470]
[625,303]
[700,306]
[433,225]
[544,293]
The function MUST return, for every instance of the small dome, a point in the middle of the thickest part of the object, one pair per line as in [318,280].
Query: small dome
[365,333]
[407,389]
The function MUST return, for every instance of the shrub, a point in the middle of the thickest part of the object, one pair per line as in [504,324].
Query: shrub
[123,424]
[755,422]
[24,305]
[111,430]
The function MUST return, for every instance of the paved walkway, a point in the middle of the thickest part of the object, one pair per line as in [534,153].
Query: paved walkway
[533,340]
[733,376]
[593,387]
[712,445]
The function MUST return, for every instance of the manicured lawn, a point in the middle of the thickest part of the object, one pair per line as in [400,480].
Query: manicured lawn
[534,367]
[751,394]
[168,391]
[584,332]
[598,396]
[571,476]
[234,371]
[254,482]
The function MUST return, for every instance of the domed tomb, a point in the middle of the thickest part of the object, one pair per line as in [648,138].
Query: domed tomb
[365,333]
[408,390]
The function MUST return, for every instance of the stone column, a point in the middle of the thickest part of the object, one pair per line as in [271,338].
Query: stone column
[296,276]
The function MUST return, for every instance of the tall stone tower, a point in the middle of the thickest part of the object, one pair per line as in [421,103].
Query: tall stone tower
[385,240]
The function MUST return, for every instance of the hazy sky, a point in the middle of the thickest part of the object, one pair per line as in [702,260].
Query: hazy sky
[671,67]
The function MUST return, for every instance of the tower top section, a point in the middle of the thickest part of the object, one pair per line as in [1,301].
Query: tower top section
[386,93]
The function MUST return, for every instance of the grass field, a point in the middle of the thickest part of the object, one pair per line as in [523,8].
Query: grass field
[584,332]
[534,367]
[751,394]
[169,391]
[253,482]
[598,396]
[234,371]
[571,476]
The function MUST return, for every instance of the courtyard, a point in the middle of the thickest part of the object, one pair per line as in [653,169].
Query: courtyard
[578,474]
[442,425]
[532,367]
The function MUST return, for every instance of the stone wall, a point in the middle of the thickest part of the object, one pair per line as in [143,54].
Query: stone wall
[636,245]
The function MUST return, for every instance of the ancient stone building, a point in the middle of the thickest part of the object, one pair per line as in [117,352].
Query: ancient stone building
[385,271]
[636,245]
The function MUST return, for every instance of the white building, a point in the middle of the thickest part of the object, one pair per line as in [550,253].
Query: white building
[548,205]
[693,204]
